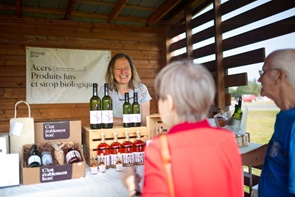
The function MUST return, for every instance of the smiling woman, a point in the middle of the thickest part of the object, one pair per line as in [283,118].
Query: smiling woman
[122,77]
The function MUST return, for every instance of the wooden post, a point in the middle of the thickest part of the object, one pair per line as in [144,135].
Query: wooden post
[188,30]
[220,97]
[167,45]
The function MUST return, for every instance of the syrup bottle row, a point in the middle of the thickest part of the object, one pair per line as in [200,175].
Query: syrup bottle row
[131,113]
[128,153]
[98,164]
[101,110]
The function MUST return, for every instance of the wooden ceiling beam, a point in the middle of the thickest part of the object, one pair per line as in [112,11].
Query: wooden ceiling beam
[81,14]
[94,2]
[161,11]
[116,10]
[177,14]
[30,9]
[69,9]
[131,19]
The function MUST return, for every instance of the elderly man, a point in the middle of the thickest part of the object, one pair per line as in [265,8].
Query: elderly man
[278,83]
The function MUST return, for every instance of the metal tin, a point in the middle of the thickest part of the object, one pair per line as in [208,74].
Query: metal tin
[245,139]
[239,139]
[46,158]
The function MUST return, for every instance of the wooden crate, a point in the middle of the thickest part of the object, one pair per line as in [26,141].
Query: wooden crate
[91,138]
[153,123]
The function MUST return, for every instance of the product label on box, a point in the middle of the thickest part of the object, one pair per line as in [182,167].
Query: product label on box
[55,173]
[56,130]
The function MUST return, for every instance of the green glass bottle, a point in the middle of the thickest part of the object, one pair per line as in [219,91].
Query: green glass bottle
[136,116]
[238,113]
[95,109]
[107,109]
[34,159]
[127,112]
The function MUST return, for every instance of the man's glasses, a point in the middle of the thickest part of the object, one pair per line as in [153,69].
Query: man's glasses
[261,72]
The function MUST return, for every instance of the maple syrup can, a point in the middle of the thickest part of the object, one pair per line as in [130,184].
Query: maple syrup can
[245,139]
[239,139]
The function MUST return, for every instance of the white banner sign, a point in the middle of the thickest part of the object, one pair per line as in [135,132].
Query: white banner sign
[63,75]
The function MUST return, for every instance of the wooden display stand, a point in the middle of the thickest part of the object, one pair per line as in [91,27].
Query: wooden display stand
[92,137]
[153,123]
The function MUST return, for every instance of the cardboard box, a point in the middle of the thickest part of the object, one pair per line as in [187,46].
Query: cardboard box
[92,137]
[67,131]
[54,131]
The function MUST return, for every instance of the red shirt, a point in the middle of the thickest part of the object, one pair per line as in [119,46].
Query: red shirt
[205,162]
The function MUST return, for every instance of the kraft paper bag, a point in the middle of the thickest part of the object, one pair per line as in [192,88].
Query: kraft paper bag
[21,131]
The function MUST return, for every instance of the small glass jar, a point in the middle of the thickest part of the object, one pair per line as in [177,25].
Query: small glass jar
[102,165]
[119,164]
[73,155]
[239,139]
[220,119]
[93,165]
[46,158]
[245,139]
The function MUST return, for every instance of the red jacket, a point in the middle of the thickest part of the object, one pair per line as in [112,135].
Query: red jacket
[205,162]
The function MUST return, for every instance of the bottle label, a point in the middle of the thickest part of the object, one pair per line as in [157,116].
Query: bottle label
[127,158]
[138,157]
[102,168]
[127,118]
[119,167]
[113,158]
[107,116]
[34,158]
[73,154]
[136,118]
[95,117]
[93,170]
[106,159]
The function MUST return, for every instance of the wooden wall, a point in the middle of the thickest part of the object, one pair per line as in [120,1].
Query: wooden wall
[220,65]
[143,44]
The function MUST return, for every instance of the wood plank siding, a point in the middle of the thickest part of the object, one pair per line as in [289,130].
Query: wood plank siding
[219,67]
[144,44]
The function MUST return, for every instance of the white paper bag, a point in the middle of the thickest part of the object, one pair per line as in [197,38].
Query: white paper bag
[21,131]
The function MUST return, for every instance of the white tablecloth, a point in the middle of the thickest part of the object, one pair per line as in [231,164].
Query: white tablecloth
[106,184]
[251,146]
[103,184]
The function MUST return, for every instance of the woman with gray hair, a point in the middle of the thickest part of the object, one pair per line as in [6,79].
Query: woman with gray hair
[205,161]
